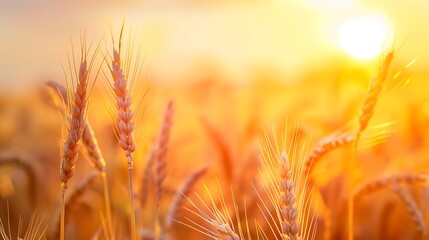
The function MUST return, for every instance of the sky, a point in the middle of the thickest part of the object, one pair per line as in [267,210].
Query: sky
[176,36]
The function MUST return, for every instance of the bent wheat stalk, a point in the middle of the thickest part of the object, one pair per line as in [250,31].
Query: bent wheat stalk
[325,146]
[386,182]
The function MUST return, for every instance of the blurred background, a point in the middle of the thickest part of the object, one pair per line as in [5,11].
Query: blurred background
[238,37]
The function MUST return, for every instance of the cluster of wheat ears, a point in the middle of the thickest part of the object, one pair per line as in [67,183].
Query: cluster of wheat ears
[284,191]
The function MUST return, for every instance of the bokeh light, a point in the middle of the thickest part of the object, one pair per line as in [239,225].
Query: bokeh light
[364,37]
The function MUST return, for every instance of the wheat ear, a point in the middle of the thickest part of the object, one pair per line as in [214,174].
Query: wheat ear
[159,156]
[160,151]
[325,146]
[412,208]
[373,92]
[371,99]
[91,144]
[225,231]
[289,212]
[124,124]
[217,215]
[75,132]
[386,182]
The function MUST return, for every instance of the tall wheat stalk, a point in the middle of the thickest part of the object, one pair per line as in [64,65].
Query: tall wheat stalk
[75,132]
[286,186]
[125,123]
[160,156]
[370,102]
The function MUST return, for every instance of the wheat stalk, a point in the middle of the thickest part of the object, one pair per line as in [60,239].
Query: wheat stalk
[159,154]
[370,102]
[286,188]
[373,92]
[94,152]
[289,212]
[75,132]
[124,123]
[325,146]
[160,151]
[91,144]
[389,181]
[224,230]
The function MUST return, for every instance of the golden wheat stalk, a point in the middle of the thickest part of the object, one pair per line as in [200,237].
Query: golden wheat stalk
[370,102]
[289,212]
[286,188]
[389,181]
[160,152]
[74,136]
[225,231]
[218,217]
[91,145]
[124,123]
[324,147]
[75,129]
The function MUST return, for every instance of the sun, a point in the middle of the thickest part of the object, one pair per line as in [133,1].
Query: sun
[364,37]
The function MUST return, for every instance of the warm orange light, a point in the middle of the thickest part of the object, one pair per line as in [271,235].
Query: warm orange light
[332,4]
[364,37]
[425,108]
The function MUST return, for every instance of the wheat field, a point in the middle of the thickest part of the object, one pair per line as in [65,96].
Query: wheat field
[107,150]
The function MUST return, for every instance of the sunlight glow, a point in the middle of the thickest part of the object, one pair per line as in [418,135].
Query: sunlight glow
[331,4]
[364,37]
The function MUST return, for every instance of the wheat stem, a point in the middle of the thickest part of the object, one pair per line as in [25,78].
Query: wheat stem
[351,182]
[63,209]
[107,205]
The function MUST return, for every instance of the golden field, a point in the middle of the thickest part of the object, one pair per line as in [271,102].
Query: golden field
[266,144]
